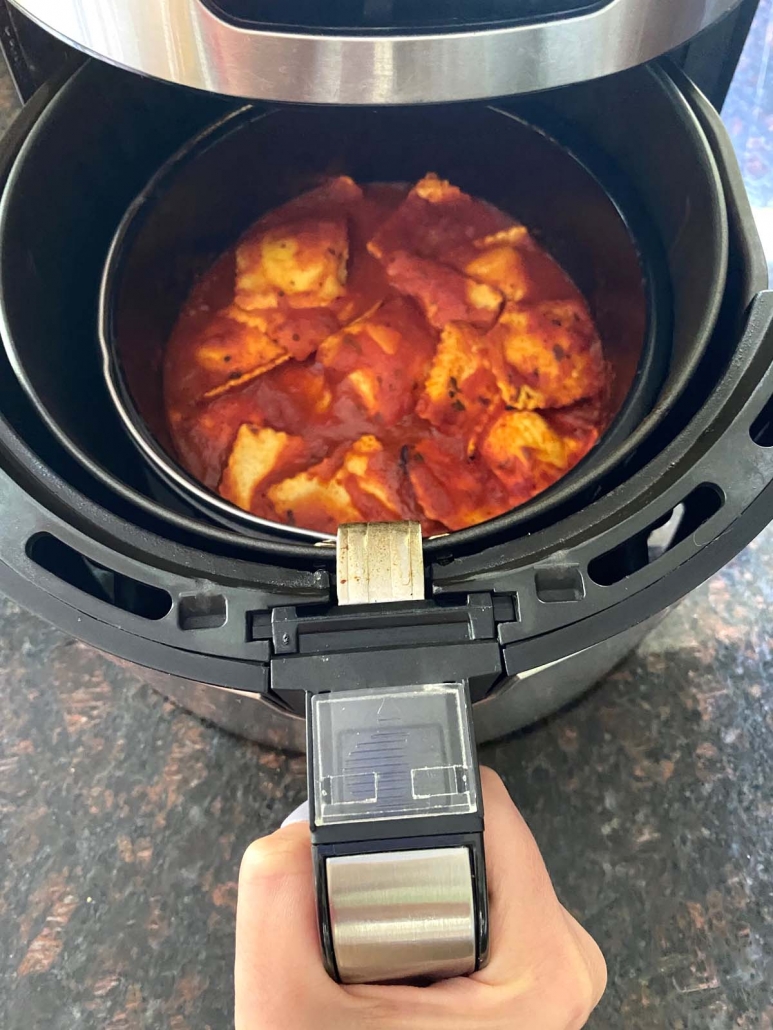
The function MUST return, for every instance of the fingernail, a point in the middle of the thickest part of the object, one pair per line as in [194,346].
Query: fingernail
[299,815]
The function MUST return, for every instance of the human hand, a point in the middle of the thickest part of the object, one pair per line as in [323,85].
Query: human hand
[545,973]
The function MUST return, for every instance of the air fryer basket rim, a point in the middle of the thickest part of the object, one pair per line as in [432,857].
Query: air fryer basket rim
[39,499]
[644,389]
[210,537]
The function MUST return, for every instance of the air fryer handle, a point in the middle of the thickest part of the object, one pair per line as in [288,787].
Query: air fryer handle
[395,804]
[397,840]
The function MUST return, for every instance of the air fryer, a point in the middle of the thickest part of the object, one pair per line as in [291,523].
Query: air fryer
[105,537]
[658,177]
[523,613]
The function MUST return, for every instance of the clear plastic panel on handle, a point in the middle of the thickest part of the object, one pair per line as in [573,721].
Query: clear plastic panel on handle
[396,753]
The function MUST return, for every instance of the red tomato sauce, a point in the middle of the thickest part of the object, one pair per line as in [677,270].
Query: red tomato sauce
[380,353]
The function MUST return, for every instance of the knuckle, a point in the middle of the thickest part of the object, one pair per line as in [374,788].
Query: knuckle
[490,780]
[256,863]
[575,1011]
[576,996]
[254,856]
[562,1001]
[265,858]
[489,775]
[600,977]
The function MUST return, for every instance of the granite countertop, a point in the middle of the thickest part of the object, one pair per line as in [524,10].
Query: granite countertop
[123,819]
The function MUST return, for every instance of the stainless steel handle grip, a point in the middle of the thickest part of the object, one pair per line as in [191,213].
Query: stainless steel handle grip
[402,915]
[394,795]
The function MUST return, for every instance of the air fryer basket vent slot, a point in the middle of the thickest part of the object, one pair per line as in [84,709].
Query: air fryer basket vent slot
[761,430]
[202,611]
[562,583]
[83,573]
[652,543]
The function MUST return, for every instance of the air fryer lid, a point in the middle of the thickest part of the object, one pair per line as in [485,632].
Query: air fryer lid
[357,52]
[65,225]
[184,218]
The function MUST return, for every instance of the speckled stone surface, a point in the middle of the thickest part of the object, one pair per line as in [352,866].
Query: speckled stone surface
[123,819]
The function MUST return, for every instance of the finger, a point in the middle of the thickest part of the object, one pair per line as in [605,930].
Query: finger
[298,815]
[523,907]
[278,971]
[526,917]
[592,956]
[545,971]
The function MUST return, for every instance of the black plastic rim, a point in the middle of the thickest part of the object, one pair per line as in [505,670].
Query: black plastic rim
[37,499]
[300,555]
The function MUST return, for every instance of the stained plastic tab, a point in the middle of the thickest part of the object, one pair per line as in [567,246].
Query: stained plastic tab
[396,753]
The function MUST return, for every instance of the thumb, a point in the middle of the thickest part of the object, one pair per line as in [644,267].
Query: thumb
[278,970]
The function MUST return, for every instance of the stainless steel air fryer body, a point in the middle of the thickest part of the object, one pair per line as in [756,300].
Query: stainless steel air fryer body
[341,54]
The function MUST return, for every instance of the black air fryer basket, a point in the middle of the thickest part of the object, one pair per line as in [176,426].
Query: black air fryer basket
[527,610]
[655,292]
[95,542]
